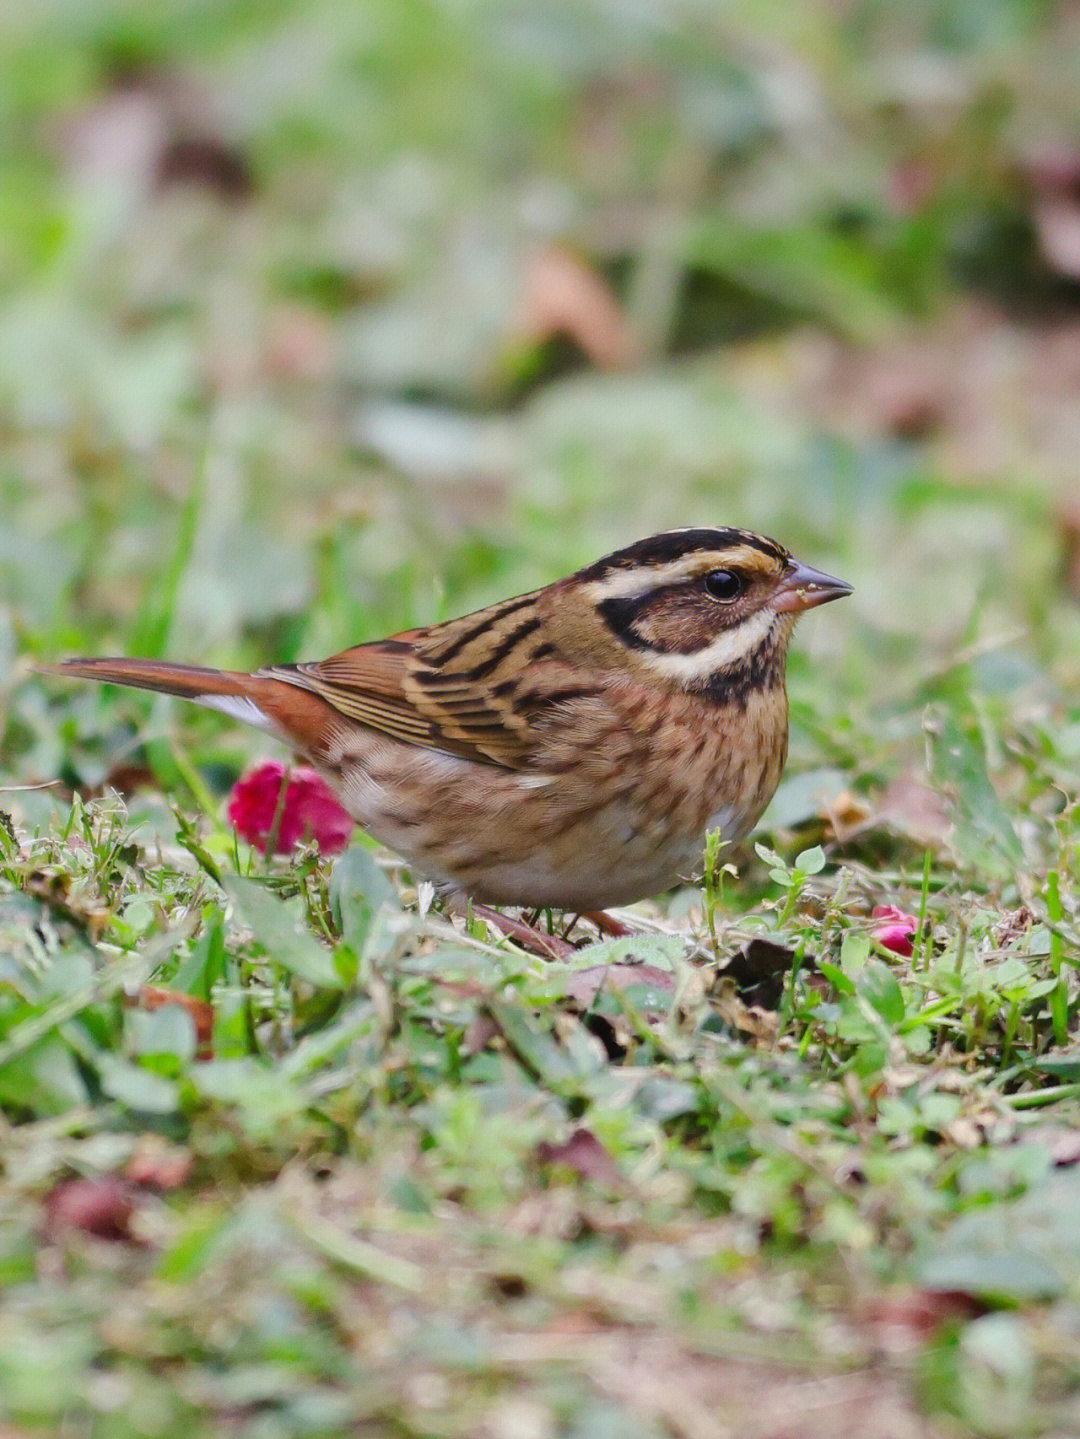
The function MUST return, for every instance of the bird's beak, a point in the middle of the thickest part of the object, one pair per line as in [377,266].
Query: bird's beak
[802,587]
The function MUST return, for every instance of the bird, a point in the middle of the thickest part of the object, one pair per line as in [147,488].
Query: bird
[568,748]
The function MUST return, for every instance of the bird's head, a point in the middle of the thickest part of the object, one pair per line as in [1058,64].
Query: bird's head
[705,608]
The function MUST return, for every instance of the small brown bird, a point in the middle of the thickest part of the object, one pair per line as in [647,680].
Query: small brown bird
[568,748]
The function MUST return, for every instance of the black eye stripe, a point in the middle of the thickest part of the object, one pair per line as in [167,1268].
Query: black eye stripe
[620,614]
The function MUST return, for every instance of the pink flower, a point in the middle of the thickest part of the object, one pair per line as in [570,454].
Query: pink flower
[896,930]
[308,809]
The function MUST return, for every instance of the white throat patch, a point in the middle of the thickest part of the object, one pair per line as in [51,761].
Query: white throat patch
[725,650]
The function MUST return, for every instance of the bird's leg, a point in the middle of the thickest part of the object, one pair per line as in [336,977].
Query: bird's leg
[536,941]
[607,923]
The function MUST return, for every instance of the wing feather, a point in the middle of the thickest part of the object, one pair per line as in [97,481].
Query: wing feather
[472,687]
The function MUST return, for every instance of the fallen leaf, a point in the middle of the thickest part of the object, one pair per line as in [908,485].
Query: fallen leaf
[102,1207]
[917,810]
[759,971]
[846,815]
[563,295]
[55,891]
[752,1019]
[479,1034]
[1012,925]
[156,1164]
[208,162]
[125,779]
[585,1155]
[905,1318]
[583,985]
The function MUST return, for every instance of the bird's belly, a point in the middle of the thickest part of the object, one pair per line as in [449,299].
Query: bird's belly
[582,879]
[516,841]
[529,839]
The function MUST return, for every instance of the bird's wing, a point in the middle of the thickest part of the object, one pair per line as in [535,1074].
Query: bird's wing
[473,687]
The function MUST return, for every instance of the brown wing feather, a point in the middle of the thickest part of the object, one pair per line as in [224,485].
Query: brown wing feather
[471,687]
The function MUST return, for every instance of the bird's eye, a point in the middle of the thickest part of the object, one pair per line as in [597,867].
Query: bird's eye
[723,584]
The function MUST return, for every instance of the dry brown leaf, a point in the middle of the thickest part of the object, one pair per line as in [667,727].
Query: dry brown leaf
[846,815]
[156,1164]
[208,162]
[904,1319]
[563,295]
[479,1034]
[583,985]
[55,890]
[759,970]
[762,1025]
[916,810]
[102,1207]
[1012,925]
[585,1155]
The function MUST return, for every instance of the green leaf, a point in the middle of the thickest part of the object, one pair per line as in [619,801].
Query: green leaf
[854,950]
[811,861]
[984,835]
[280,932]
[205,965]
[877,984]
[534,1046]
[836,977]
[44,1080]
[1064,1065]
[662,950]
[808,268]
[1024,1249]
[358,889]
[137,1088]
[206,1233]
[265,1096]
[169,1030]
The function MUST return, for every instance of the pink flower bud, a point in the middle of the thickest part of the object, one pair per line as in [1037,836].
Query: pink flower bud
[896,930]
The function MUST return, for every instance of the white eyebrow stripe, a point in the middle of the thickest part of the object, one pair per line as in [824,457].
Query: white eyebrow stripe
[625,584]
[726,649]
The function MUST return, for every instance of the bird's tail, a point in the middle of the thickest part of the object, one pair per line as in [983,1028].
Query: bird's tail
[290,712]
[250,698]
[190,682]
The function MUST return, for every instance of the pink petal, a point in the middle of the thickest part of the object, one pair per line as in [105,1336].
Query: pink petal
[309,811]
[898,929]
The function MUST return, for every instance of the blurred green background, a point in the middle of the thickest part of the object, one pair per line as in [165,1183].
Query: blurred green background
[320,320]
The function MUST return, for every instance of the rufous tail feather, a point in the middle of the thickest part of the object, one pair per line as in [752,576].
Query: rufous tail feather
[191,682]
[270,704]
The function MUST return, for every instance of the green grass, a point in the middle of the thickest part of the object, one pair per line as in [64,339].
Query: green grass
[747,1168]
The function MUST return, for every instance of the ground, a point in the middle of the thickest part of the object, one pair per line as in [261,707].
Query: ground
[322,321]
